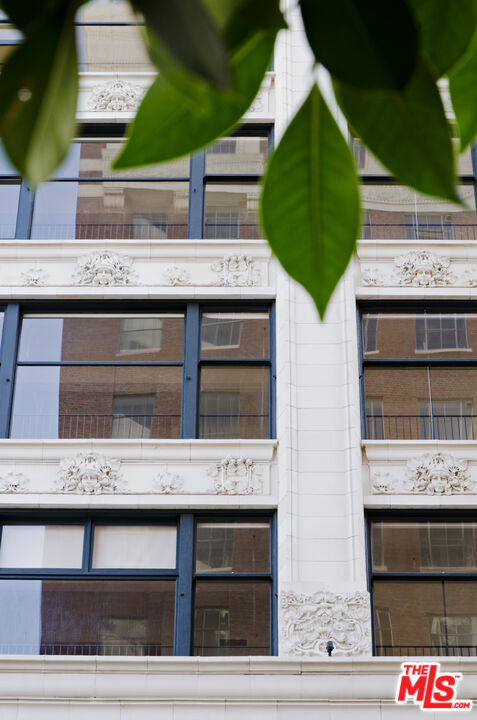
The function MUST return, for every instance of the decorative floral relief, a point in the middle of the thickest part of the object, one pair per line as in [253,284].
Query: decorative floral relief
[421,268]
[382,482]
[169,483]
[175,275]
[116,96]
[257,105]
[236,271]
[235,476]
[372,276]
[438,474]
[34,277]
[104,268]
[309,621]
[89,474]
[13,482]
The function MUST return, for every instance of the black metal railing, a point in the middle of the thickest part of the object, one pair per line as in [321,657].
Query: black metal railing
[110,231]
[421,427]
[232,231]
[76,426]
[139,426]
[418,231]
[125,648]
[426,650]
[232,426]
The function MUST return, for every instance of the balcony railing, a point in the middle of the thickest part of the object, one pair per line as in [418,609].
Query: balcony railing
[76,426]
[424,231]
[125,648]
[426,650]
[232,426]
[110,231]
[421,427]
[73,427]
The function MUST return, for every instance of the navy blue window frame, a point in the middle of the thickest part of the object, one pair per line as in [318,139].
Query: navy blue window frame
[183,574]
[191,362]
[198,178]
[383,308]
[373,516]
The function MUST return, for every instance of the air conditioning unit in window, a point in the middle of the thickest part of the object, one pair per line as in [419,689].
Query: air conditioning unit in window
[448,218]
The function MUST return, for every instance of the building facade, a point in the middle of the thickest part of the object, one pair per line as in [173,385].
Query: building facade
[201,485]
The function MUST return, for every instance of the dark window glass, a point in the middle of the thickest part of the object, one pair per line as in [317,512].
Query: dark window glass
[441,332]
[233,547]
[231,211]
[9,196]
[102,338]
[237,156]
[112,210]
[231,618]
[234,402]
[370,333]
[410,609]
[78,402]
[87,617]
[234,335]
[395,212]
[424,547]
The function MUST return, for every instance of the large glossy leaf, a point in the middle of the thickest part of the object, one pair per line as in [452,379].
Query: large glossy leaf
[463,91]
[190,35]
[447,28]
[407,131]
[171,122]
[310,200]
[38,92]
[371,44]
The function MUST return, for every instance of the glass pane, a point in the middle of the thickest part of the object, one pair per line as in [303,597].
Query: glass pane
[42,546]
[237,156]
[111,210]
[121,338]
[461,618]
[231,618]
[134,546]
[9,196]
[112,48]
[394,212]
[366,163]
[419,335]
[234,402]
[82,402]
[87,617]
[94,157]
[396,403]
[231,211]
[234,335]
[454,402]
[424,546]
[405,618]
[233,547]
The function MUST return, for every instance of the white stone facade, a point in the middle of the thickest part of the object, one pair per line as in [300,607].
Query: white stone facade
[317,474]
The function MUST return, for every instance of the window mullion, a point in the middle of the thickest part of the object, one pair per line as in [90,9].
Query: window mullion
[8,357]
[196,195]
[190,376]
[184,601]
[25,211]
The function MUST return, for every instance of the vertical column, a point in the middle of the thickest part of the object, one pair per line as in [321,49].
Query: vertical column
[190,377]
[184,601]
[196,195]
[8,355]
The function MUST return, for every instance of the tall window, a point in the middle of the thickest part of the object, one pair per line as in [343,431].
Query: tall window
[131,374]
[212,195]
[425,374]
[423,584]
[93,585]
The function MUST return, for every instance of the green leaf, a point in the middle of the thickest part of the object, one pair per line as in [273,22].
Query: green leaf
[447,28]
[170,123]
[310,201]
[408,132]
[463,91]
[191,37]
[370,44]
[38,93]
